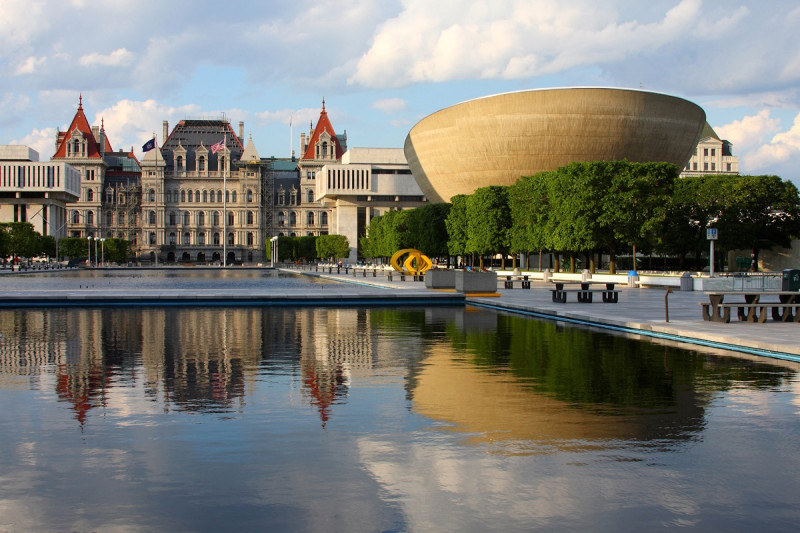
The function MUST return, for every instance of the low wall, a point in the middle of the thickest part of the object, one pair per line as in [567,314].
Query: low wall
[440,279]
[467,281]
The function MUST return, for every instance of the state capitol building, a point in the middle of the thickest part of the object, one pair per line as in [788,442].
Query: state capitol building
[204,194]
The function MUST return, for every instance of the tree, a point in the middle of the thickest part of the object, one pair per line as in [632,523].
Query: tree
[333,246]
[72,247]
[488,221]
[759,212]
[116,250]
[24,241]
[529,207]
[456,225]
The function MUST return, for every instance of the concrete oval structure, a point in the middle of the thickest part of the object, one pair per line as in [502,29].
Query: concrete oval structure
[497,139]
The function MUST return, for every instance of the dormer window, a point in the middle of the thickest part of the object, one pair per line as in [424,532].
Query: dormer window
[201,164]
[179,163]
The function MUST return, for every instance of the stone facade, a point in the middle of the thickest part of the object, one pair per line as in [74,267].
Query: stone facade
[711,156]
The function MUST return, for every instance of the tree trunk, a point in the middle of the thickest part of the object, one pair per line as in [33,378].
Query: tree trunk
[556,263]
[754,260]
[612,263]
[572,262]
[592,266]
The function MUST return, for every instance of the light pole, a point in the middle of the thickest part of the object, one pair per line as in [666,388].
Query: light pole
[103,252]
[89,257]
[95,251]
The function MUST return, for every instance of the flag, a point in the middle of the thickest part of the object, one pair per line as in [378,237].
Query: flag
[217,147]
[149,145]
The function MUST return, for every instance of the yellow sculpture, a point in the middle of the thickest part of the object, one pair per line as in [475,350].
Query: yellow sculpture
[416,263]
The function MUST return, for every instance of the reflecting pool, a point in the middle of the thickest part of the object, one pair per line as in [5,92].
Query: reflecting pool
[357,419]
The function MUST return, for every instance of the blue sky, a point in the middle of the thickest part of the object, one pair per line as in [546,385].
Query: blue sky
[382,65]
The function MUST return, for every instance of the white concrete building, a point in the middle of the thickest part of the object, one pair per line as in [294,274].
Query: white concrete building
[36,192]
[712,156]
[367,183]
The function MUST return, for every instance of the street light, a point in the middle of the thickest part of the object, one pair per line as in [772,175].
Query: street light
[89,242]
[95,251]
[103,252]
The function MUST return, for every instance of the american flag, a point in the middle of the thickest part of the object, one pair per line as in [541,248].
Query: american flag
[217,147]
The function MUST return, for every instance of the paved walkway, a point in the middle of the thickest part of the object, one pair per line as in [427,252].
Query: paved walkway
[640,311]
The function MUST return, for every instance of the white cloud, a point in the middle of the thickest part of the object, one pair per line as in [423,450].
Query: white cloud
[389,105]
[118,58]
[30,65]
[761,145]
[43,141]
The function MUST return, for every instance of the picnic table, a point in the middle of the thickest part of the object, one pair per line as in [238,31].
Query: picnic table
[751,307]
[584,294]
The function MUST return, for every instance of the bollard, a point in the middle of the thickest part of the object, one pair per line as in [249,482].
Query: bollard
[666,303]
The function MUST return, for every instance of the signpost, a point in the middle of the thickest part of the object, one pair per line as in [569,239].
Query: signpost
[711,235]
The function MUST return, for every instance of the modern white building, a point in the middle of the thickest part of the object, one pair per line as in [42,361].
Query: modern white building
[712,156]
[36,192]
[367,183]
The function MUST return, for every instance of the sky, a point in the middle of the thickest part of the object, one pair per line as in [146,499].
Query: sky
[382,65]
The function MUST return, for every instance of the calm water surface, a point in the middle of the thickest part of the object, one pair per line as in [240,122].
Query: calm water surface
[443,419]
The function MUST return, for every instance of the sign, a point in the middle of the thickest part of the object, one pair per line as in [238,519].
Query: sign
[711,234]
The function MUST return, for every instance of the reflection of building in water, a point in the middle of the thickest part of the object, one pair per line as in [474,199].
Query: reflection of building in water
[336,345]
[200,354]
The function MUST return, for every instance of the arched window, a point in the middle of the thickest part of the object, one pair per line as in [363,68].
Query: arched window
[152,238]
[227,196]
[219,197]
[89,195]
[196,196]
[205,197]
[323,218]
[183,196]
[216,239]
[201,238]
[186,218]
[76,217]
[249,217]
[249,239]
[281,218]
[310,218]
[201,163]
[230,218]
[230,239]
[233,197]
[186,238]
[90,217]
[179,162]
[190,196]
[152,195]
[215,218]
[310,196]
[201,218]
[172,239]
[324,149]
[109,219]
[151,217]
[172,219]
[249,196]
[292,218]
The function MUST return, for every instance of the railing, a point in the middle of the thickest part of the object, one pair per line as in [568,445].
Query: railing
[761,281]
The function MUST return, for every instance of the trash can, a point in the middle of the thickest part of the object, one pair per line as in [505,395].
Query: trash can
[633,278]
[791,280]
[687,284]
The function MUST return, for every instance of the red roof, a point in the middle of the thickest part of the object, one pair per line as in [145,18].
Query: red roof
[323,124]
[80,123]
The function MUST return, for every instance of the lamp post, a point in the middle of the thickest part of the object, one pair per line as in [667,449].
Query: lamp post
[89,257]
[103,252]
[95,251]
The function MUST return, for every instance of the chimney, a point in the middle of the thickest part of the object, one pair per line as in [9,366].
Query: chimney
[241,130]
[165,134]
[96,133]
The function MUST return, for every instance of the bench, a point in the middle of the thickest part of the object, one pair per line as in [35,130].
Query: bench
[584,294]
[509,282]
[752,309]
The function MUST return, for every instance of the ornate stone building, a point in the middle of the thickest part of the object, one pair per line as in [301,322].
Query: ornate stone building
[202,196]
[712,156]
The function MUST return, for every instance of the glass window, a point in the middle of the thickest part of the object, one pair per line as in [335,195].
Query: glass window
[151,217]
[172,239]
[249,217]
[201,218]
[201,163]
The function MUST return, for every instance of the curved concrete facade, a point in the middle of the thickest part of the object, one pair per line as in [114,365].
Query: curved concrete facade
[497,139]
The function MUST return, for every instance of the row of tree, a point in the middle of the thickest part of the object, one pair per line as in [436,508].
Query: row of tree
[604,207]
[20,239]
[311,247]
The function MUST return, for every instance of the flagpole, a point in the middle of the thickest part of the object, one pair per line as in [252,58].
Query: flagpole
[155,164]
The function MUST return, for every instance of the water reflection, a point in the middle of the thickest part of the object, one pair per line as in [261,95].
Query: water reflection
[377,419]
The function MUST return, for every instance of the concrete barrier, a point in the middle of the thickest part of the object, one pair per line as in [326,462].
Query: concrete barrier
[467,281]
[440,279]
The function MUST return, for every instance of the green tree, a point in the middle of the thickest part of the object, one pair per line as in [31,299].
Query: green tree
[116,250]
[307,247]
[24,241]
[529,206]
[72,247]
[332,246]
[431,234]
[456,225]
[488,221]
